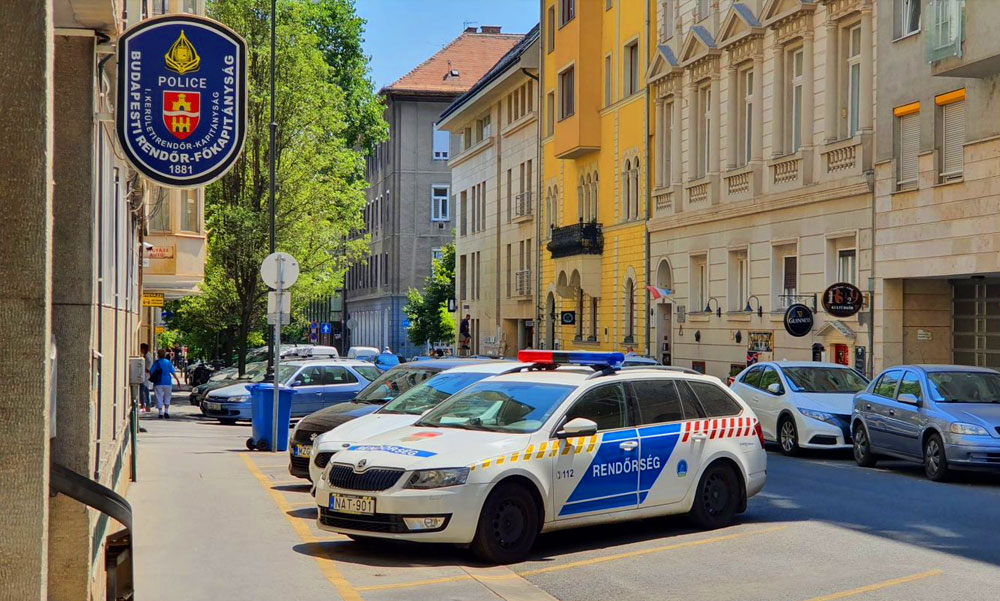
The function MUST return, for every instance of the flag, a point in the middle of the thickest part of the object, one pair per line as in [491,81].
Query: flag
[658,293]
[751,358]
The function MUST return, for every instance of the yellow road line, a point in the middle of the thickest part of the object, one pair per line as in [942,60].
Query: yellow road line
[507,585]
[878,586]
[581,563]
[326,563]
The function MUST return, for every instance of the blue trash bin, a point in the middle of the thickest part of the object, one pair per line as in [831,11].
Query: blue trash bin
[262,414]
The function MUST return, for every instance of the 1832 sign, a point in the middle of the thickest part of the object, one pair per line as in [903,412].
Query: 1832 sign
[843,300]
[181,99]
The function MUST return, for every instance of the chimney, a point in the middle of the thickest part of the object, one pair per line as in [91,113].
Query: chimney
[489,29]
[470,30]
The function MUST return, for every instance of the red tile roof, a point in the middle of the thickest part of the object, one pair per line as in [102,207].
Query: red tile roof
[471,55]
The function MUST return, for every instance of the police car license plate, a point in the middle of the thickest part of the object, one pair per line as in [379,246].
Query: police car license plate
[352,504]
[301,450]
[213,406]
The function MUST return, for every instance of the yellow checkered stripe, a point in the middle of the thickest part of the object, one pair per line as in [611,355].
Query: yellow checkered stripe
[546,450]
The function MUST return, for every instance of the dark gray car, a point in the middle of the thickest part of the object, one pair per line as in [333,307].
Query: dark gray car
[944,416]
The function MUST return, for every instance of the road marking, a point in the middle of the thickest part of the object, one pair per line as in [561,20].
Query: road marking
[508,585]
[878,586]
[581,563]
[326,563]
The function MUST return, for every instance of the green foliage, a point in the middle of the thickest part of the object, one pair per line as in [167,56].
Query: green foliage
[430,320]
[323,99]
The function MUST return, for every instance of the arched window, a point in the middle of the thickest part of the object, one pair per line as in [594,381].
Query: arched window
[629,311]
[593,319]
[593,200]
[581,192]
[585,184]
[579,314]
[553,207]
[635,189]
[627,190]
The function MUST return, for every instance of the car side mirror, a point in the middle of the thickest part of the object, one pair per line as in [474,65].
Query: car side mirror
[296,383]
[774,388]
[578,426]
[909,399]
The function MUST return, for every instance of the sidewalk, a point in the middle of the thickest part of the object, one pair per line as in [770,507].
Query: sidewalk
[205,529]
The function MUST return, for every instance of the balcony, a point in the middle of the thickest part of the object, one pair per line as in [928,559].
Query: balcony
[664,201]
[787,172]
[523,208]
[522,283]
[577,239]
[739,184]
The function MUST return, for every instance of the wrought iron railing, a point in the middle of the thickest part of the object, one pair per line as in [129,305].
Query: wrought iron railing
[577,239]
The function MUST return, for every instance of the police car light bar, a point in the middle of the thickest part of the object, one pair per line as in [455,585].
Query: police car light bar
[614,360]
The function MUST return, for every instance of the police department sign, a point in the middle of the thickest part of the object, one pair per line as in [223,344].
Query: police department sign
[181,99]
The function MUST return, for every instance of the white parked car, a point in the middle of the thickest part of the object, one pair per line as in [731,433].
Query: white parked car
[802,404]
[401,411]
[545,449]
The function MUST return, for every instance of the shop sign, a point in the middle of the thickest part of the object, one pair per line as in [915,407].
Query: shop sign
[843,300]
[161,252]
[798,320]
[181,116]
[760,342]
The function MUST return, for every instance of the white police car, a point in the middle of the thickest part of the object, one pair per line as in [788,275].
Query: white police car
[545,449]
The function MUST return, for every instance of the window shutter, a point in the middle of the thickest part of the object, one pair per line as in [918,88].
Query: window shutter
[909,147]
[791,267]
[952,139]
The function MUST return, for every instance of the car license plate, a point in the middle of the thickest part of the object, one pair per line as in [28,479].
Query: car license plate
[301,450]
[352,504]
[213,406]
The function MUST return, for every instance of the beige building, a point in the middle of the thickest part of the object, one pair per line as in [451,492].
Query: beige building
[494,165]
[937,252]
[762,143]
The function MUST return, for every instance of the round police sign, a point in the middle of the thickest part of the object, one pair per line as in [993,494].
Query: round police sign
[798,320]
[181,99]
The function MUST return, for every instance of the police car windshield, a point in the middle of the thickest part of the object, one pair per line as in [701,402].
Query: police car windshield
[499,406]
[825,379]
[428,394]
[393,383]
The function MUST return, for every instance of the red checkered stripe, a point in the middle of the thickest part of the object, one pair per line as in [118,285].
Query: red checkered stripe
[726,427]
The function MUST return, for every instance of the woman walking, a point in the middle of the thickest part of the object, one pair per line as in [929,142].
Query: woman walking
[161,374]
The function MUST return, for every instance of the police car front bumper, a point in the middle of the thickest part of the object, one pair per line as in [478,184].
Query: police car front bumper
[441,515]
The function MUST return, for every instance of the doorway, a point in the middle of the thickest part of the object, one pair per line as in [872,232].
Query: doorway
[664,314]
[550,320]
[842,354]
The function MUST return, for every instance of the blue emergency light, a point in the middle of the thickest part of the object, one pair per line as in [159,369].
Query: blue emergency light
[614,360]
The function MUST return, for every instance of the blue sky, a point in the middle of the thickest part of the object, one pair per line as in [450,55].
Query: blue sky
[401,34]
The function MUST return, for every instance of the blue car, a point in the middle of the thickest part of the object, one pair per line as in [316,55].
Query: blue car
[946,417]
[317,384]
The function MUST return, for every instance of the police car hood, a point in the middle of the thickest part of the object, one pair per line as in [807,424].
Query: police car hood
[413,447]
[362,429]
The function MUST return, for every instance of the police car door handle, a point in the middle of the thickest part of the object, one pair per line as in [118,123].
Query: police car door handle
[629,445]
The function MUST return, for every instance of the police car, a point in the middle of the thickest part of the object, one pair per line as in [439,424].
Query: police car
[548,448]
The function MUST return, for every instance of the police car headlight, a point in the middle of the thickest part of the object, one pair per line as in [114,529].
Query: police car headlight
[438,478]
[821,416]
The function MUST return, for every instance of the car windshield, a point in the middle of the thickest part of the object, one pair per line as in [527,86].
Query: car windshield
[499,406]
[286,371]
[224,374]
[369,372]
[964,387]
[428,394]
[824,379]
[393,383]
[256,371]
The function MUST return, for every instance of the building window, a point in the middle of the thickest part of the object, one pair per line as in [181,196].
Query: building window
[437,254]
[847,265]
[952,136]
[442,141]
[567,11]
[627,190]
[608,81]
[463,274]
[795,93]
[667,23]
[190,212]
[907,144]
[159,212]
[550,113]
[635,189]
[483,129]
[551,31]
[704,130]
[509,270]
[785,276]
[608,4]
[567,100]
[739,280]
[666,134]
[907,17]
[853,80]
[631,56]
[629,311]
[439,203]
[745,118]
[464,210]
[699,283]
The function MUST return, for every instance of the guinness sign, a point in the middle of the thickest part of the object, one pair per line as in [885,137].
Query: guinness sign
[798,320]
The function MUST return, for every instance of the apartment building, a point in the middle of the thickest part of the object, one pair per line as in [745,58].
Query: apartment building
[761,197]
[937,234]
[494,171]
[409,213]
[594,57]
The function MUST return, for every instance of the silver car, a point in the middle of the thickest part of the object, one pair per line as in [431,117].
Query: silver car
[944,416]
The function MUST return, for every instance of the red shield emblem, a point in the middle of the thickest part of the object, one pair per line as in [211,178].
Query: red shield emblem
[181,113]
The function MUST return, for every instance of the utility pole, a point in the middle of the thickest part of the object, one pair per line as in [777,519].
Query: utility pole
[272,355]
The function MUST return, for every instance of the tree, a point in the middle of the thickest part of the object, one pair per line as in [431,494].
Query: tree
[430,320]
[320,176]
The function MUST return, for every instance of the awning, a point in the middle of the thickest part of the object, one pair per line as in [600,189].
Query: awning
[839,326]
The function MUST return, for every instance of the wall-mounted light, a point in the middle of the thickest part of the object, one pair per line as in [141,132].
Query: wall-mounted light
[697,335]
[738,337]
[749,309]
[708,306]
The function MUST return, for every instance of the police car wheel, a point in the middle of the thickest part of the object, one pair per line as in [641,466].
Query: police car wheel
[508,525]
[718,497]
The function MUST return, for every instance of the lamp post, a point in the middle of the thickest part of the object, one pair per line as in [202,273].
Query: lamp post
[708,306]
[275,345]
[749,309]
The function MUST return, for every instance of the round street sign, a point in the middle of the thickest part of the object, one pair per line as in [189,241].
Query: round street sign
[279,270]
[182,97]
[843,300]
[798,320]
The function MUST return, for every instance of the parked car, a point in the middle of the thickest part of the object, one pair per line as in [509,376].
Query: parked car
[363,353]
[944,416]
[317,384]
[802,404]
[254,373]
[386,361]
[383,389]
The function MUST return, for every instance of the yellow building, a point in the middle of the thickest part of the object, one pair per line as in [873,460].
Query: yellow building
[593,184]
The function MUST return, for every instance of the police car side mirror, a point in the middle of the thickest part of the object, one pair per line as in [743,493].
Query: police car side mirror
[578,426]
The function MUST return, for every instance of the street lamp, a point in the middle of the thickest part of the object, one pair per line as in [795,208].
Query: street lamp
[708,306]
[749,309]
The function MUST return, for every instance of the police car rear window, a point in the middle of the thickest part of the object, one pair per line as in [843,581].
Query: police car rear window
[715,400]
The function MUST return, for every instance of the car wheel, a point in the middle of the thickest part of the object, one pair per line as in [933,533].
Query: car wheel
[717,499]
[935,461]
[508,525]
[788,436]
[863,448]
[227,422]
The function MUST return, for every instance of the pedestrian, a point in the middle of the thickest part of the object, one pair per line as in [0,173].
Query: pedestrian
[147,384]
[161,373]
[465,331]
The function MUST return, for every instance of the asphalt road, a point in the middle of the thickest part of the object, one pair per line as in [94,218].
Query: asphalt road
[215,521]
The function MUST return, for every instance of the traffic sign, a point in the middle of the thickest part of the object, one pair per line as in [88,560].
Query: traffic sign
[279,270]
[326,328]
[407,324]
[152,299]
